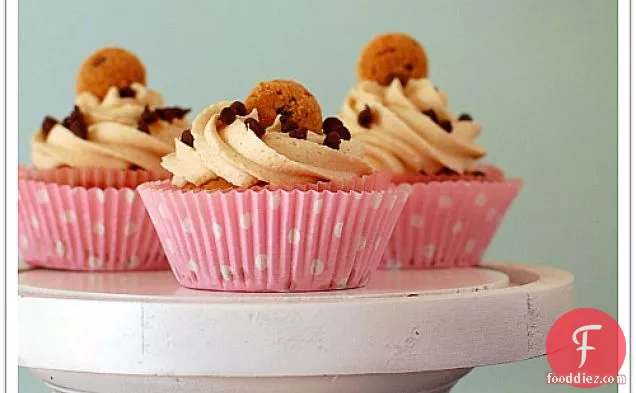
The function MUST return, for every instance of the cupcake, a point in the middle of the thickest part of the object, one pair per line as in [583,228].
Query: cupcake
[266,196]
[78,206]
[408,129]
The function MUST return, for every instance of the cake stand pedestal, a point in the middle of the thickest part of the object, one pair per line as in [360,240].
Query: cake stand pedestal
[406,332]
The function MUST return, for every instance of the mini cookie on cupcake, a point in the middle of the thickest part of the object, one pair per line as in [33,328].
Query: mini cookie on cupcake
[405,123]
[78,208]
[266,196]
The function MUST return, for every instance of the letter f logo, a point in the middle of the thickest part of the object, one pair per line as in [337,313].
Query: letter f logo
[583,344]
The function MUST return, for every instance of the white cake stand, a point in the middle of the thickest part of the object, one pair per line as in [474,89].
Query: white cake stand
[407,332]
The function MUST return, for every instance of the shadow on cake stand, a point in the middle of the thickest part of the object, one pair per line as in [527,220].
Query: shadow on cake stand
[406,332]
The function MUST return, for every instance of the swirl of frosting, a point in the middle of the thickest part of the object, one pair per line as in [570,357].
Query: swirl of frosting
[406,129]
[113,138]
[235,153]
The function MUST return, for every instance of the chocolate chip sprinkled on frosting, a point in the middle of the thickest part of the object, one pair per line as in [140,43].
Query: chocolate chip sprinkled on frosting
[227,115]
[465,117]
[48,123]
[298,133]
[146,118]
[288,124]
[255,126]
[332,140]
[446,126]
[330,124]
[170,113]
[187,138]
[431,113]
[239,108]
[365,117]
[76,123]
[127,92]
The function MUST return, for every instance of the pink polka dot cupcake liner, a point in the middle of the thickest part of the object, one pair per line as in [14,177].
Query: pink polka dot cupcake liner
[62,225]
[448,223]
[317,237]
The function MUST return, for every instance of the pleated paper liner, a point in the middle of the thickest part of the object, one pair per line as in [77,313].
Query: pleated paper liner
[62,225]
[449,223]
[91,177]
[316,237]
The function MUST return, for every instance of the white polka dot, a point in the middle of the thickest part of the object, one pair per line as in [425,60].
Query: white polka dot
[170,246]
[377,243]
[99,194]
[246,220]
[457,227]
[132,262]
[193,266]
[130,196]
[130,229]
[163,211]
[417,221]
[186,225]
[60,249]
[69,216]
[342,284]
[491,214]
[357,195]
[428,251]
[98,228]
[294,236]
[444,202]
[95,262]
[481,199]
[470,246]
[394,199]
[377,200]
[362,243]
[274,201]
[317,206]
[260,262]
[317,267]
[394,264]
[337,229]
[226,272]
[25,242]
[217,230]
[35,223]
[42,197]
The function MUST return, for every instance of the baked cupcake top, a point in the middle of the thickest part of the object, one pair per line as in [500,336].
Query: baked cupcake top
[232,142]
[117,122]
[402,118]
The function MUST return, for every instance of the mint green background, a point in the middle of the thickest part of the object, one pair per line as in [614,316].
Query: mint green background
[540,76]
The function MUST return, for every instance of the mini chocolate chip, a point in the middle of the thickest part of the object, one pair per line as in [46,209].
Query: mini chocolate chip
[343,132]
[76,124]
[134,167]
[284,119]
[98,61]
[283,111]
[365,118]
[172,112]
[187,138]
[478,173]
[227,115]
[127,92]
[332,140]
[446,126]
[255,126]
[331,123]
[48,123]
[289,125]
[465,117]
[143,127]
[447,171]
[148,116]
[298,133]
[431,113]
[239,108]
[408,67]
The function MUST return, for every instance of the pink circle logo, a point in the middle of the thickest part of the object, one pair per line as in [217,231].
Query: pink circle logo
[585,348]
